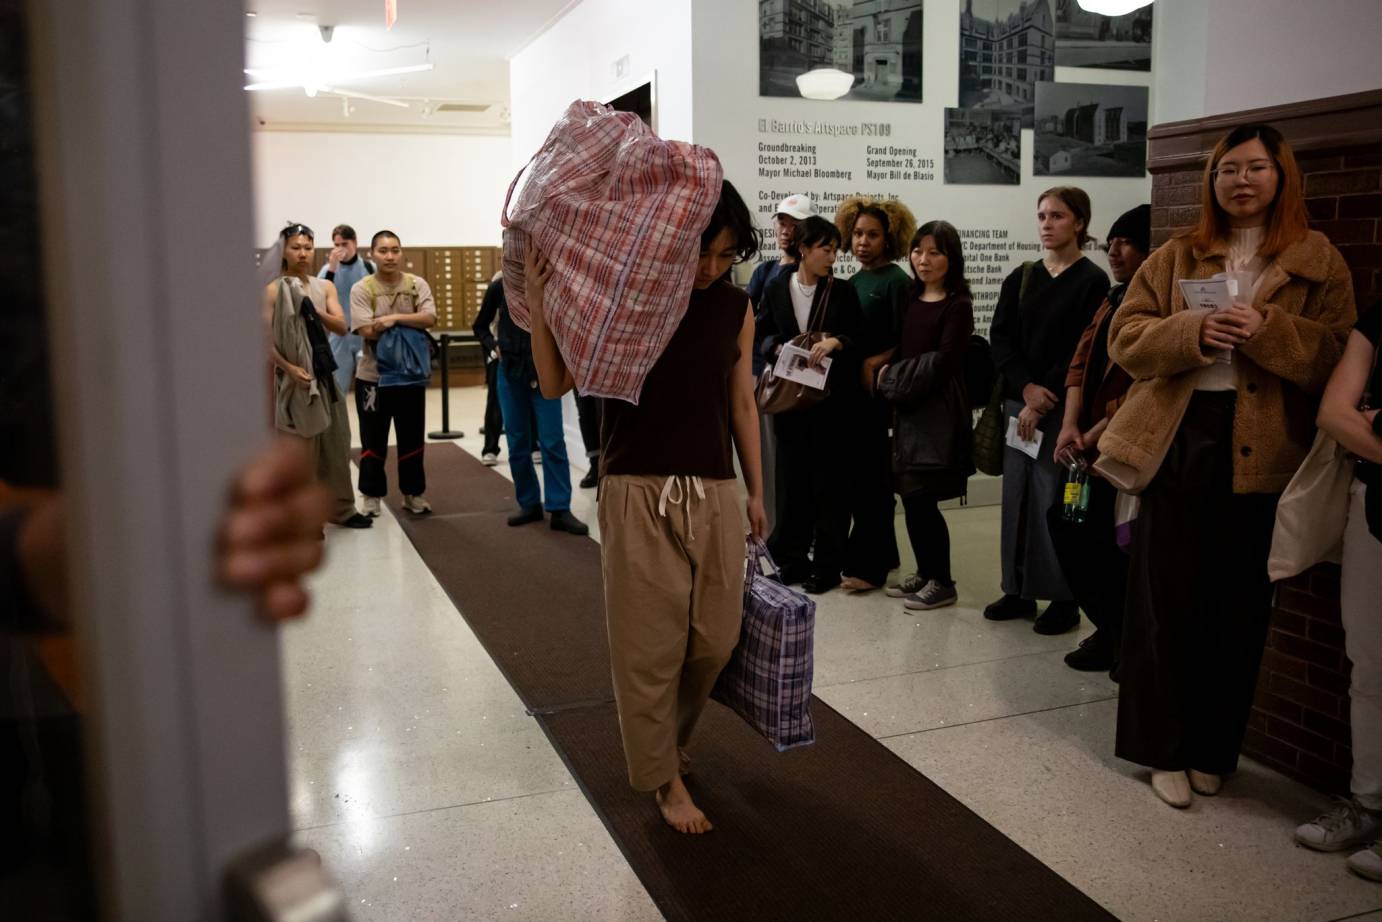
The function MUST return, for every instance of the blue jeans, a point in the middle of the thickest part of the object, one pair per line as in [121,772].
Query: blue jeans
[343,350]
[520,402]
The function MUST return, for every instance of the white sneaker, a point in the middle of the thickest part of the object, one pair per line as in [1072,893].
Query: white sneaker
[1172,787]
[370,506]
[1368,862]
[489,458]
[417,505]
[1347,825]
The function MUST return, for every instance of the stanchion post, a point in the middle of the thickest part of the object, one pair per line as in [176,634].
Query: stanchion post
[445,432]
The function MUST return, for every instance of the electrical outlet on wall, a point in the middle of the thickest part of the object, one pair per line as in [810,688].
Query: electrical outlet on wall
[621,67]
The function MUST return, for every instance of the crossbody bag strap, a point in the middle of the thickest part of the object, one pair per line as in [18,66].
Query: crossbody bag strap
[1027,268]
[818,315]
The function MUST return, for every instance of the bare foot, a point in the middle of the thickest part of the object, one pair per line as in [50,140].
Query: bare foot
[679,811]
[685,766]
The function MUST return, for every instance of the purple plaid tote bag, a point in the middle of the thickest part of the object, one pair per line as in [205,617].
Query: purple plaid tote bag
[768,678]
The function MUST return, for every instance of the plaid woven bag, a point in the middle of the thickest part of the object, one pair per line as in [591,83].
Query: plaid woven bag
[768,678]
[618,212]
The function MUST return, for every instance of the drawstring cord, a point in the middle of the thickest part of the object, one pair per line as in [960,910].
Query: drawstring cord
[683,485]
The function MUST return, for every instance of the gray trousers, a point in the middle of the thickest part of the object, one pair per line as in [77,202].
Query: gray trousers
[330,454]
[1362,587]
[1031,568]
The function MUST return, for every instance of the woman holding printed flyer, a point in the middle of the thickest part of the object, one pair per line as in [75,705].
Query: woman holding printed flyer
[1043,308]
[1219,417]
[812,498]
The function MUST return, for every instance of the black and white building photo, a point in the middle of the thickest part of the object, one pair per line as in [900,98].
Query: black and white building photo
[1086,129]
[840,49]
[983,147]
[1085,39]
[1006,48]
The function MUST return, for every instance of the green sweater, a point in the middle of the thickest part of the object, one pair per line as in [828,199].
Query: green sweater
[883,294]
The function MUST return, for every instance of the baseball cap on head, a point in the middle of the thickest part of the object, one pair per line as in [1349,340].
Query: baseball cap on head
[796,206]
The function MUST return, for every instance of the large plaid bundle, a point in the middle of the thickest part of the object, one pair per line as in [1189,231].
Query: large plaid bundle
[619,212]
[768,679]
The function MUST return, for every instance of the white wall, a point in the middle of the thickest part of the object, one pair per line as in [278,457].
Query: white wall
[728,114]
[433,189]
[1231,55]
[576,59]
[1180,37]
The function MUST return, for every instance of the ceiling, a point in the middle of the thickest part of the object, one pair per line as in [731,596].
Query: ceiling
[467,41]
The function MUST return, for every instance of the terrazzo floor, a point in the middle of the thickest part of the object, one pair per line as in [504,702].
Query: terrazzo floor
[431,796]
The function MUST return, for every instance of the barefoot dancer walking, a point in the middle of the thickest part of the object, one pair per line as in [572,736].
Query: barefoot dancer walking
[672,537]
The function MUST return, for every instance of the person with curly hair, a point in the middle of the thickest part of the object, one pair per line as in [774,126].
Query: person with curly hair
[876,233]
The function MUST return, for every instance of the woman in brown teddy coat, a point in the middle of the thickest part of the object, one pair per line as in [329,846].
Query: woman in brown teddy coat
[1221,414]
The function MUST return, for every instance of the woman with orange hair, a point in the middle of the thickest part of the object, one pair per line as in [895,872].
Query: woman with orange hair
[1220,415]
[876,233]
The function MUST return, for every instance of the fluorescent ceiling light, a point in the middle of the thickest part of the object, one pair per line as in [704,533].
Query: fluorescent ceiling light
[1112,7]
[297,78]
[824,83]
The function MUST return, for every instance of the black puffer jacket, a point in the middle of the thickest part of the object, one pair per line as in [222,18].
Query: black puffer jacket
[933,443]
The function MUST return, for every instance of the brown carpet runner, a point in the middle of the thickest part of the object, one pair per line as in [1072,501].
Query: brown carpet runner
[842,830]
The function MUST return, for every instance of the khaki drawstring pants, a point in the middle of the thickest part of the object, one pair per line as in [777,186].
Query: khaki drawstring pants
[672,551]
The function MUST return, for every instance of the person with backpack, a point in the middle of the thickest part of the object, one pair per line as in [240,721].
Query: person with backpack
[300,310]
[933,445]
[876,233]
[344,267]
[1043,307]
[1094,565]
[390,298]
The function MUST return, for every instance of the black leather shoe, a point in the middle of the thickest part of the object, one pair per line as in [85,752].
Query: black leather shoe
[524,516]
[1010,607]
[1058,618]
[793,576]
[357,521]
[591,478]
[563,520]
[819,584]
[1092,655]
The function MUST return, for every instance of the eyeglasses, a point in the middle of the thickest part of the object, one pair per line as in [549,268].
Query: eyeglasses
[1255,172]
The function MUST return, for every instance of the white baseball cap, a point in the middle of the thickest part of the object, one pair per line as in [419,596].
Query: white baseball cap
[796,206]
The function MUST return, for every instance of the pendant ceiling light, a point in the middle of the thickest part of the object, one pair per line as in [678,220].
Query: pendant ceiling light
[824,83]
[1112,7]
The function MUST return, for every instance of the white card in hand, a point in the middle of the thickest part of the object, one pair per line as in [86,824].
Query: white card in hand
[1213,294]
[1207,294]
[1027,448]
[794,364]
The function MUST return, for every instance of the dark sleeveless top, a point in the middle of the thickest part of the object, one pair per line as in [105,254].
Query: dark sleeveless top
[681,424]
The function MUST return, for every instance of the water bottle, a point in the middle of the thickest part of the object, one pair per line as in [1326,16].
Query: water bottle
[1076,498]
